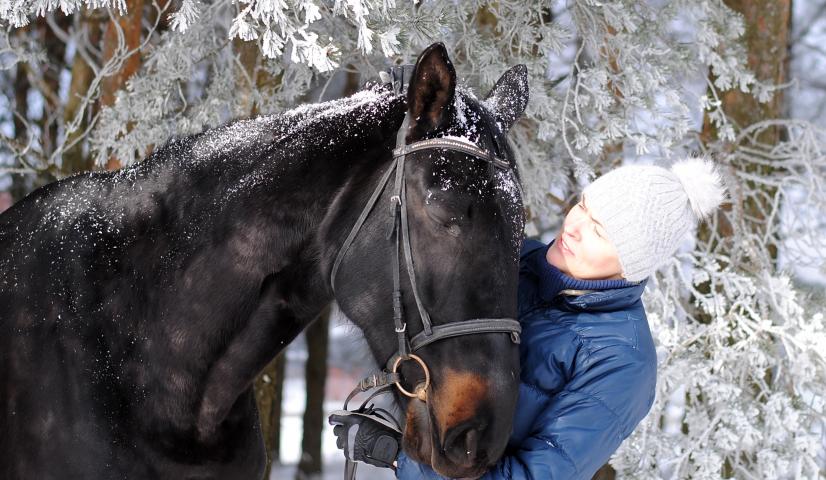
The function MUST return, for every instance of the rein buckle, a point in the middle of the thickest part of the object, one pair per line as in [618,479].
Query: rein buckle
[369,382]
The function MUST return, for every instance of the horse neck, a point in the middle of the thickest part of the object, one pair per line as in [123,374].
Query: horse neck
[253,197]
[279,172]
[250,196]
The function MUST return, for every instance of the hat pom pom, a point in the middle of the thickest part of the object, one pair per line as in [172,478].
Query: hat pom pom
[702,183]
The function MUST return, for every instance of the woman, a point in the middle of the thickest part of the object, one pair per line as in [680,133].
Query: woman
[588,361]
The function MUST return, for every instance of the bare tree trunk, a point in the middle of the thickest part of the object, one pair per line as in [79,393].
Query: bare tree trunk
[246,80]
[128,27]
[768,28]
[316,379]
[767,36]
[74,159]
[20,183]
[269,387]
[21,92]
[49,82]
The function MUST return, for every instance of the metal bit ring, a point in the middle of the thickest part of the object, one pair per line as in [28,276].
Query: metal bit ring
[421,390]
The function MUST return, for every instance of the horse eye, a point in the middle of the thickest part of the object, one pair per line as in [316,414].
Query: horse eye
[453,229]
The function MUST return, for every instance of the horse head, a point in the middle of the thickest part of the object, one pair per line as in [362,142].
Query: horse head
[464,225]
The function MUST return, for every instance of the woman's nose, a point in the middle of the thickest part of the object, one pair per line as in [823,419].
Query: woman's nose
[573,227]
[571,230]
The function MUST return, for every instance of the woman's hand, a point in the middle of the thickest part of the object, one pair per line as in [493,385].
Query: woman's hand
[366,437]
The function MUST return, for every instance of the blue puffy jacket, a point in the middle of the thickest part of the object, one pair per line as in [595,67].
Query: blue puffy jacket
[588,378]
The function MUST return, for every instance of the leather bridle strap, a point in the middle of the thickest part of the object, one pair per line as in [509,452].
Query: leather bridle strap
[398,210]
[468,327]
[452,143]
[400,230]
[371,202]
[408,258]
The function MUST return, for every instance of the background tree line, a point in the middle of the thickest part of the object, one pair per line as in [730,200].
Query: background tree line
[738,317]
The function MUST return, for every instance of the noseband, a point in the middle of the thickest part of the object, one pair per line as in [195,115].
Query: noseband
[400,230]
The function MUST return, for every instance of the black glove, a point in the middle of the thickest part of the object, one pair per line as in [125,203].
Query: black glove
[366,436]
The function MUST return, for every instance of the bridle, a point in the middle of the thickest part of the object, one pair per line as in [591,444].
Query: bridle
[400,231]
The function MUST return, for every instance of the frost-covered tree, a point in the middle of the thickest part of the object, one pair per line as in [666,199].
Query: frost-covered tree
[739,328]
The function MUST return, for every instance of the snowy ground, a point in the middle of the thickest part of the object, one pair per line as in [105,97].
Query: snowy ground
[347,350]
[291,429]
[334,470]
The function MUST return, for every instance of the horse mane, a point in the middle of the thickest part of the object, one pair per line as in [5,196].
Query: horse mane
[306,127]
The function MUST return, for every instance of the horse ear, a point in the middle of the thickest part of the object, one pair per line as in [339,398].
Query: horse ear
[509,97]
[431,91]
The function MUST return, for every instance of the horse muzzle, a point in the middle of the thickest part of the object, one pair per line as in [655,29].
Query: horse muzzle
[457,431]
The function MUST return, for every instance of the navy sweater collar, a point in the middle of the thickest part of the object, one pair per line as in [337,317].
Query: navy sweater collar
[552,280]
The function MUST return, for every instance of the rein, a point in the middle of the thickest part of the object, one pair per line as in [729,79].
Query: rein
[400,231]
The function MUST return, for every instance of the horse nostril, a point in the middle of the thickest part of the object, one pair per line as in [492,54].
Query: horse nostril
[462,443]
[471,442]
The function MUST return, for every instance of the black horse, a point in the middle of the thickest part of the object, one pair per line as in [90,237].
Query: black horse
[137,306]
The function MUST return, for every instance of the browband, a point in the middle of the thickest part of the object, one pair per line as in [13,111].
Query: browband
[452,143]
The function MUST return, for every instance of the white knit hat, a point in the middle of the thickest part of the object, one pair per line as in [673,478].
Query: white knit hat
[646,210]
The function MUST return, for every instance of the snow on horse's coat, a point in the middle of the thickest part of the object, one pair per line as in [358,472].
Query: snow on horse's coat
[137,306]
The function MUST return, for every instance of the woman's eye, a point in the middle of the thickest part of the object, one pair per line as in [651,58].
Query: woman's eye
[596,230]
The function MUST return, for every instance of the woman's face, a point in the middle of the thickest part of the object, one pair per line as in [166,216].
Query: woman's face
[582,249]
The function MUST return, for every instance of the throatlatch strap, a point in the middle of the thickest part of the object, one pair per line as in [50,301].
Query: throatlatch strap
[354,231]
